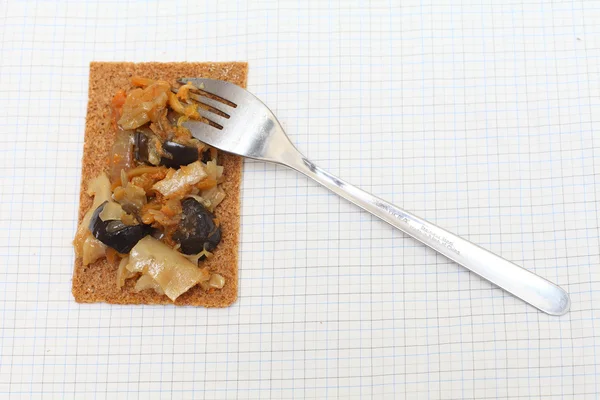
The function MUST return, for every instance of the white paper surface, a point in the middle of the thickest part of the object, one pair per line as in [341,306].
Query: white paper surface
[481,117]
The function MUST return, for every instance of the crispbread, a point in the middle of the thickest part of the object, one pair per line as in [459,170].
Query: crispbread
[97,282]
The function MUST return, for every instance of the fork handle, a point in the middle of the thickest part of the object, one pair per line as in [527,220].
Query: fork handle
[527,286]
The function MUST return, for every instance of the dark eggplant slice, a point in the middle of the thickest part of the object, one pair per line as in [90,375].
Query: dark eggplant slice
[181,155]
[142,151]
[172,117]
[175,154]
[115,233]
[206,156]
[197,230]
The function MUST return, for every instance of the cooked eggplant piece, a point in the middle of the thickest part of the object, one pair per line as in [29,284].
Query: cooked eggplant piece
[172,117]
[173,155]
[115,233]
[206,156]
[147,147]
[197,230]
[181,155]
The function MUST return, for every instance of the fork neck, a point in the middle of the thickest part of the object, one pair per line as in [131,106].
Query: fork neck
[281,150]
[296,160]
[292,157]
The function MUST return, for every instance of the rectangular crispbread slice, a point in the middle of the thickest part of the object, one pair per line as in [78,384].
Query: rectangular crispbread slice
[97,282]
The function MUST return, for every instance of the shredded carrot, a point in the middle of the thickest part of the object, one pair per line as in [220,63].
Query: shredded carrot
[137,172]
[119,99]
[168,211]
[147,216]
[182,133]
[147,219]
[171,208]
[146,181]
[144,170]
[117,106]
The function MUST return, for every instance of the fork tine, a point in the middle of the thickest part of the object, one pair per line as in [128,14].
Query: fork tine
[212,104]
[212,117]
[203,132]
[211,87]
[212,114]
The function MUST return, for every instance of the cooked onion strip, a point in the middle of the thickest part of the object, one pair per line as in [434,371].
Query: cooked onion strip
[172,271]
[184,177]
[183,92]
[146,282]
[98,187]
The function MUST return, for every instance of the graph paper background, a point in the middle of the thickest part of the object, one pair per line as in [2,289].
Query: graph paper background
[479,116]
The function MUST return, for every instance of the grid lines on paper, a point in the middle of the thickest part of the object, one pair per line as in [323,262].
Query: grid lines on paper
[478,115]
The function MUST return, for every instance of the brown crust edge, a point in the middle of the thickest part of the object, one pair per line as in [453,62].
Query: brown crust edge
[96,282]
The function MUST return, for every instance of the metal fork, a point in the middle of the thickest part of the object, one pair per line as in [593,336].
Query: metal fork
[238,122]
